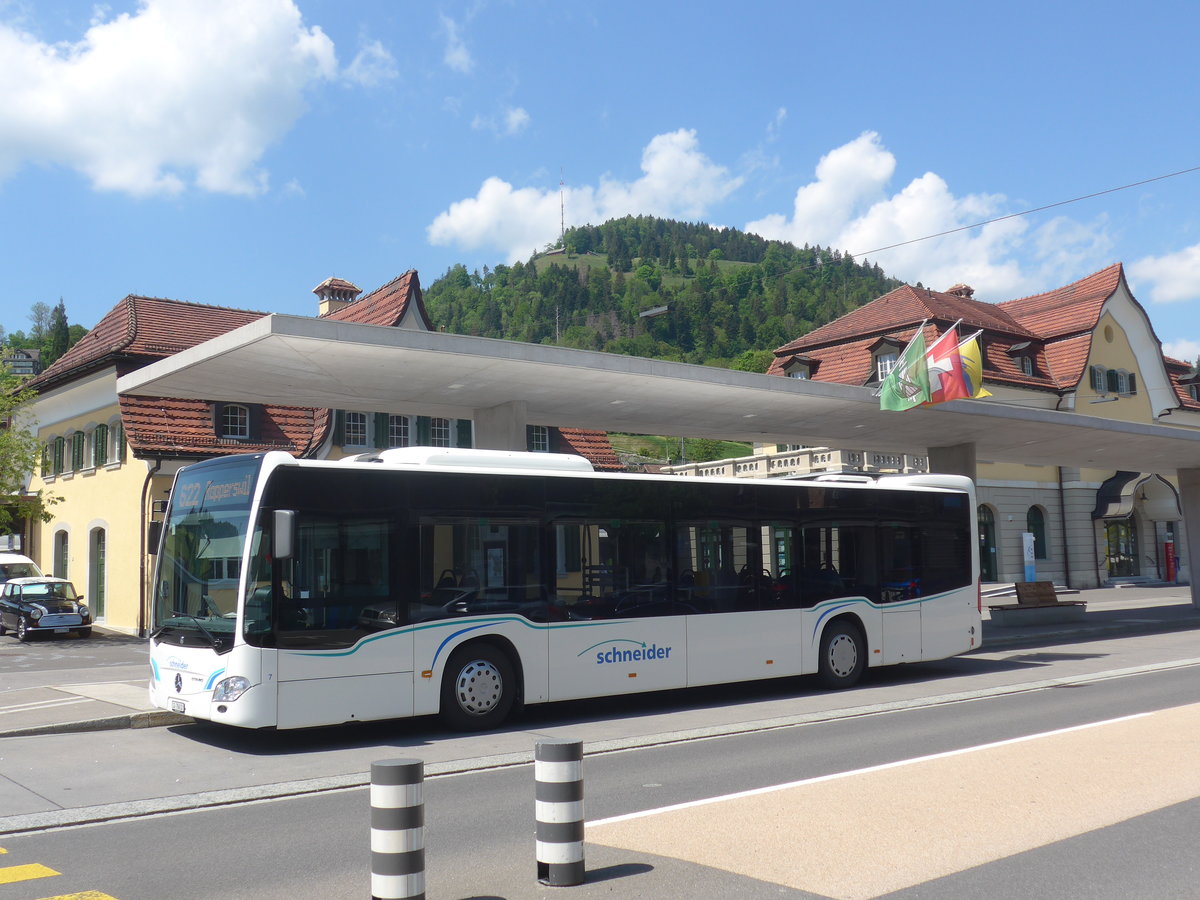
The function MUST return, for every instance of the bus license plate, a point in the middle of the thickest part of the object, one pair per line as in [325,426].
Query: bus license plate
[178,706]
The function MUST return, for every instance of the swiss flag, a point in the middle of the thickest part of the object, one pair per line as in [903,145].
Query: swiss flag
[946,380]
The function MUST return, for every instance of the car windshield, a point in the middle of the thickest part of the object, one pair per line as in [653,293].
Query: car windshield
[48,590]
[200,564]
[18,570]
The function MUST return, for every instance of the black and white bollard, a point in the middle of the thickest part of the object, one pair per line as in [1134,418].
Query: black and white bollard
[558,772]
[397,830]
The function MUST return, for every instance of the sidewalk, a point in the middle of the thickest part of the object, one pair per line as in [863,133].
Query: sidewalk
[121,704]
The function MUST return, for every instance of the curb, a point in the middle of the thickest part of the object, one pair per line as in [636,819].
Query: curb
[153,718]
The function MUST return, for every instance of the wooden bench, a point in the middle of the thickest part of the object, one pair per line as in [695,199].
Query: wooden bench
[1037,604]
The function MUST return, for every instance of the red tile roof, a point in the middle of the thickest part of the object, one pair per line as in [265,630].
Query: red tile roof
[593,446]
[1057,325]
[143,328]
[184,428]
[387,305]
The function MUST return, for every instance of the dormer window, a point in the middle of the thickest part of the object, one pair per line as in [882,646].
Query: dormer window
[234,422]
[1022,355]
[538,438]
[801,367]
[885,362]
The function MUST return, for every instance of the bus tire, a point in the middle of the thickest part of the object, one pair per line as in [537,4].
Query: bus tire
[843,656]
[479,688]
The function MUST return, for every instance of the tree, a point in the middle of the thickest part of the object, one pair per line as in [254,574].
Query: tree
[20,452]
[39,318]
[59,338]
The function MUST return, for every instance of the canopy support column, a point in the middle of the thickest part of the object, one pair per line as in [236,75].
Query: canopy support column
[956,459]
[1189,500]
[502,427]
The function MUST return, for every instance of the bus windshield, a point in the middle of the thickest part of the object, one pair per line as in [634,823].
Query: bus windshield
[200,564]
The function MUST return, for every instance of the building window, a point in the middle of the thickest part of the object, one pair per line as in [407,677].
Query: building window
[235,422]
[1035,524]
[884,364]
[539,439]
[1099,380]
[800,372]
[100,446]
[60,452]
[355,434]
[398,435]
[119,442]
[439,432]
[1194,391]
[1025,363]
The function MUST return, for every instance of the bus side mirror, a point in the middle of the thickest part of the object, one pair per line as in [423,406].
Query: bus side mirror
[283,534]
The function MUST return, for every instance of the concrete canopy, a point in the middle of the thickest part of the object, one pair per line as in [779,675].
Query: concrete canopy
[301,361]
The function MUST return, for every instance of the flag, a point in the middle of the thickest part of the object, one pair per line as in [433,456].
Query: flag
[945,368]
[972,367]
[907,385]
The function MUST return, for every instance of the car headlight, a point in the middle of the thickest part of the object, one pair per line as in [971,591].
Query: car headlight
[35,612]
[84,611]
[229,689]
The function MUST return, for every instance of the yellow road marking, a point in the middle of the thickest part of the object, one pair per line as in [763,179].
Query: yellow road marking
[85,895]
[882,830]
[13,874]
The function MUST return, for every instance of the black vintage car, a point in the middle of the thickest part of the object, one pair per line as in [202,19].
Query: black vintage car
[43,605]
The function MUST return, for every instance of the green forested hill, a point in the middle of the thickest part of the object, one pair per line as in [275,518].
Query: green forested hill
[730,297]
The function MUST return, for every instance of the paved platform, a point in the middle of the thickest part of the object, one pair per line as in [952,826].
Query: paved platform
[74,706]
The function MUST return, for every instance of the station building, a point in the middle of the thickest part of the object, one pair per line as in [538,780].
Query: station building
[111,459]
[1088,348]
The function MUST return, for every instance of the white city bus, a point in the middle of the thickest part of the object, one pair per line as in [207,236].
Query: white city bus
[293,593]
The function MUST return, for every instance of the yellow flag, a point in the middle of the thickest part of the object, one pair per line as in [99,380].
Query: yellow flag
[972,367]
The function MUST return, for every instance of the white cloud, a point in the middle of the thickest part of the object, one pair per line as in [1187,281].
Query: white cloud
[515,120]
[457,56]
[678,181]
[179,91]
[1188,351]
[512,121]
[849,206]
[1172,278]
[372,66]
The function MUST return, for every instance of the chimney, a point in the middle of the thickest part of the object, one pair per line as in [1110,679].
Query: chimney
[334,294]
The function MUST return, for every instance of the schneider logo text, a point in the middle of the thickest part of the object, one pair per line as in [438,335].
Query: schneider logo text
[645,652]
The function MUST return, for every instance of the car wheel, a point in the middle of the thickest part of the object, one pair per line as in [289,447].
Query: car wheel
[23,633]
[479,687]
[843,656]
[84,632]
[3,627]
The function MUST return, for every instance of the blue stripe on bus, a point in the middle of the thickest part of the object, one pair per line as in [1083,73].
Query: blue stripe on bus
[212,679]
[154,668]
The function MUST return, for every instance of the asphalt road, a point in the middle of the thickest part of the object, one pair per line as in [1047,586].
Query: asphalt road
[1061,815]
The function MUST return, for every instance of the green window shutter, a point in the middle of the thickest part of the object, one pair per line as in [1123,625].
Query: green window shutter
[45,459]
[381,431]
[339,427]
[528,437]
[464,434]
[100,445]
[120,444]
[424,431]
[1132,383]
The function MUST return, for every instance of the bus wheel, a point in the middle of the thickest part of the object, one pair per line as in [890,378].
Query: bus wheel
[478,688]
[843,656]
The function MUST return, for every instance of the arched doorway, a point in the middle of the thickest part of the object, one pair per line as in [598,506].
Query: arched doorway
[988,564]
[96,566]
[1121,542]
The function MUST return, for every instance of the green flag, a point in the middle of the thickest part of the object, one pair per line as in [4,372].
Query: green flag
[907,385]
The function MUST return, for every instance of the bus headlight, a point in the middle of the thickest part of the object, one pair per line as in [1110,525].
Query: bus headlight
[228,689]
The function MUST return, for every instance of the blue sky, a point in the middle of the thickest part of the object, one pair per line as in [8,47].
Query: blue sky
[239,152]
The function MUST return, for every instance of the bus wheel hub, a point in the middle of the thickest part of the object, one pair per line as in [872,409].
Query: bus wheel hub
[479,687]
